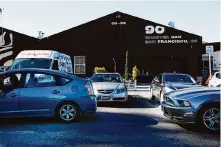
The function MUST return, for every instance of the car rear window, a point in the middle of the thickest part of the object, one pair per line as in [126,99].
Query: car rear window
[106,78]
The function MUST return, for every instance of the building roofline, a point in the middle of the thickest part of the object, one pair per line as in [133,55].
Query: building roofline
[77,26]
[124,14]
[4,28]
[98,19]
[161,24]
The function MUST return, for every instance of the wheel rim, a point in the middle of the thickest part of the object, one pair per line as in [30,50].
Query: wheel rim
[67,112]
[211,119]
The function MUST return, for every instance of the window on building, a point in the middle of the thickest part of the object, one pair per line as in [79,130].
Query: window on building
[79,65]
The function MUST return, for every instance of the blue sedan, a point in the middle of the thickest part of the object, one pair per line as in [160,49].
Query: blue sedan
[194,105]
[45,93]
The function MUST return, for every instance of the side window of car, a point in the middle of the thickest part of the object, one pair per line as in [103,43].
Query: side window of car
[39,80]
[55,65]
[11,80]
[64,81]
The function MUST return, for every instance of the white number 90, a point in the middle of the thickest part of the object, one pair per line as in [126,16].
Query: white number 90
[158,29]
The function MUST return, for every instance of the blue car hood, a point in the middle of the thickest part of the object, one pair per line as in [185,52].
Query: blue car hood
[191,92]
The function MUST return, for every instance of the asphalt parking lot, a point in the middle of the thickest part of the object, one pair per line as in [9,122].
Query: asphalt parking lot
[137,123]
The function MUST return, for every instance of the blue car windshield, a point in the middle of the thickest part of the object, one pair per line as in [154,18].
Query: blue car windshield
[31,63]
[106,78]
[178,78]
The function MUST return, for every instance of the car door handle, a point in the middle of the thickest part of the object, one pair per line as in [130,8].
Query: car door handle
[13,94]
[55,92]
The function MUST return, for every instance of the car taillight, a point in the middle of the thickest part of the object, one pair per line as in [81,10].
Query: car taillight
[90,89]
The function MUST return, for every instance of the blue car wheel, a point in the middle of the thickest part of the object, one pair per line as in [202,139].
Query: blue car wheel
[209,118]
[67,112]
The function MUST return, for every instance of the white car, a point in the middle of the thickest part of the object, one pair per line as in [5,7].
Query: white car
[215,81]
[109,87]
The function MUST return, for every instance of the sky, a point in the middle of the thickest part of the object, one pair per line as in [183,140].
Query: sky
[198,17]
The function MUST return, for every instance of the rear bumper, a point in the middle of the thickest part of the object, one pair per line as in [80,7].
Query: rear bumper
[178,114]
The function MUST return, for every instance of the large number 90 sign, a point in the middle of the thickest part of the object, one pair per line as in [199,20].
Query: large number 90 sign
[158,29]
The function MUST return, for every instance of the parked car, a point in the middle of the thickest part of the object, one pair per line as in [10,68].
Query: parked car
[109,87]
[45,59]
[199,105]
[167,82]
[215,81]
[46,93]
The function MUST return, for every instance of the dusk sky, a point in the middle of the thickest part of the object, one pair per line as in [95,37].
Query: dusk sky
[198,17]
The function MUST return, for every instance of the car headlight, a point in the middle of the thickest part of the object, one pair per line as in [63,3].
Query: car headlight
[169,101]
[121,90]
[183,103]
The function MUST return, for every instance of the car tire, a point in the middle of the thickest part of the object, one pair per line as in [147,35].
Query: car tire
[67,112]
[209,118]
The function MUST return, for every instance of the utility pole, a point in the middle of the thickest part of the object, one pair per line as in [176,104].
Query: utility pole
[115,66]
[210,69]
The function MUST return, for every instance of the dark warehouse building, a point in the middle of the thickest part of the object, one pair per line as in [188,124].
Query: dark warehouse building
[103,42]
[152,47]
[11,43]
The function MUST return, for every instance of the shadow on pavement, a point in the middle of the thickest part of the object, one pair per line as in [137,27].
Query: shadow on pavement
[119,119]
[91,122]
[133,102]
[21,121]
[197,129]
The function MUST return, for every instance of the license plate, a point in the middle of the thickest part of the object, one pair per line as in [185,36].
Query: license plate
[105,97]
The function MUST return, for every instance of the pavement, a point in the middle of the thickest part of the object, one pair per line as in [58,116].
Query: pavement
[138,123]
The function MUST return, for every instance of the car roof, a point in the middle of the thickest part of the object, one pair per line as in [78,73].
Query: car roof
[46,71]
[174,74]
